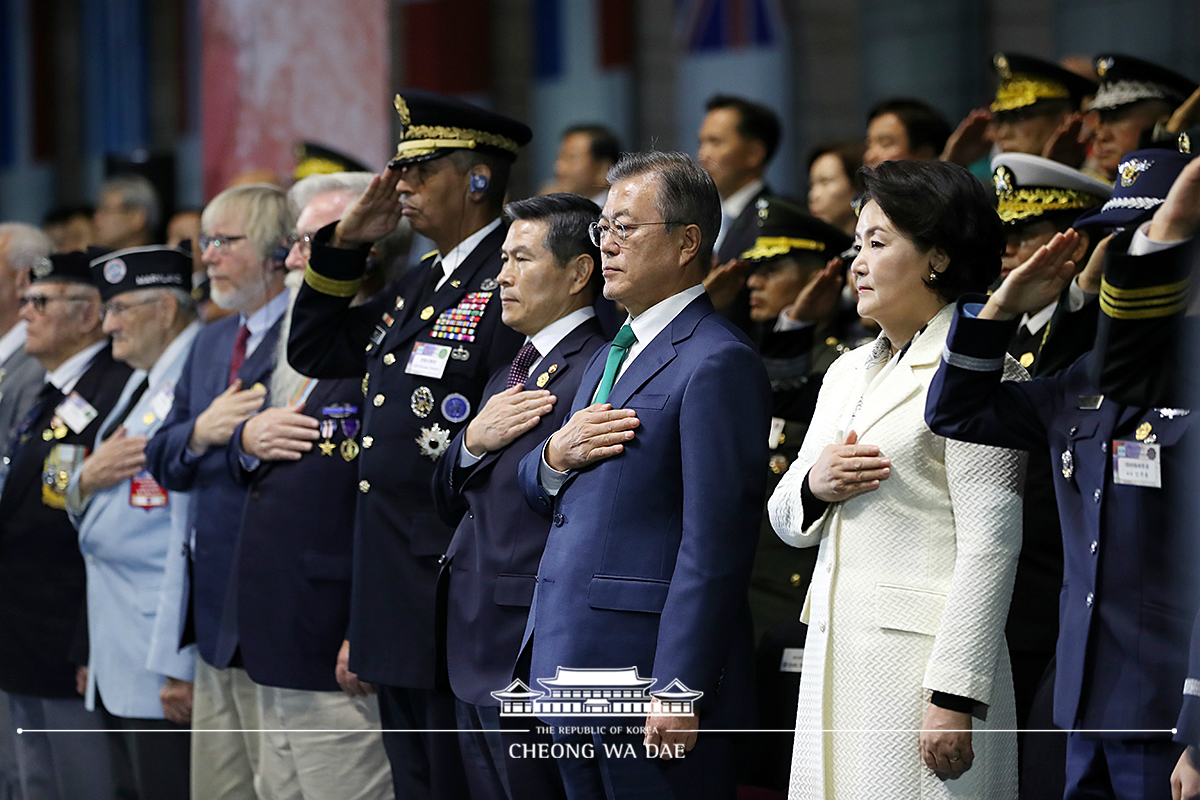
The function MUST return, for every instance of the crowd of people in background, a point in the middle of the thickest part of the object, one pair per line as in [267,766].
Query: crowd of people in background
[658,483]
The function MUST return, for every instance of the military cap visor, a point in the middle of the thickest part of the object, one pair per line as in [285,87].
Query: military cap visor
[434,125]
[316,159]
[1029,187]
[158,267]
[1125,80]
[1143,179]
[1025,81]
[784,229]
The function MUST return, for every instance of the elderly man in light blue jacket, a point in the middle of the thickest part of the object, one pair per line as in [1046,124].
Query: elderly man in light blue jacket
[130,528]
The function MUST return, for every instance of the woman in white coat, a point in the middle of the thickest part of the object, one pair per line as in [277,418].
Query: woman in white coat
[905,673]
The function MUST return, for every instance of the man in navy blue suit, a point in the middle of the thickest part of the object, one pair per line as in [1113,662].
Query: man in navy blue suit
[244,230]
[550,277]
[1129,595]
[655,489]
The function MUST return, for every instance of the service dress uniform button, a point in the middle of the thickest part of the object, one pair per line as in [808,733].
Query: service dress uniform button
[1096,495]
[389,359]
[1104,447]
[795,579]
[1074,431]
[368,441]
[442,560]
[559,519]
[1091,599]
[377,401]
[1095,547]
[364,486]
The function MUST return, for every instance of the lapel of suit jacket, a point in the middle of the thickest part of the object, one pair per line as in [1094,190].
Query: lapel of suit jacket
[448,295]
[903,383]
[660,352]
[555,363]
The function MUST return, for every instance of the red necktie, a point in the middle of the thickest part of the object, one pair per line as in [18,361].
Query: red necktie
[239,353]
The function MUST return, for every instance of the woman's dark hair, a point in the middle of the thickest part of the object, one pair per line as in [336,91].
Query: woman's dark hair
[939,204]
[849,153]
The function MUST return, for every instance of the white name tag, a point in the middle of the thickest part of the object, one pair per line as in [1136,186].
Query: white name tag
[428,359]
[793,658]
[76,412]
[161,403]
[1137,464]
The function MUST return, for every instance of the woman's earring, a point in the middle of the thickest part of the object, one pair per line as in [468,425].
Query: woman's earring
[932,274]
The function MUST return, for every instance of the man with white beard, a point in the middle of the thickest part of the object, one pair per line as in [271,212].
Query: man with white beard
[243,236]
[290,601]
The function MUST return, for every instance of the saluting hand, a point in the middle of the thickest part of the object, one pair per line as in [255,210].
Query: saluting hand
[592,434]
[847,470]
[1038,282]
[229,409]
[505,417]
[971,140]
[117,458]
[819,296]
[372,216]
[1068,145]
[724,281]
[1179,216]
[280,434]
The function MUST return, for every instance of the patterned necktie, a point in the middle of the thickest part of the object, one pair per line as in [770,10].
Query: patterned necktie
[518,373]
[616,356]
[239,353]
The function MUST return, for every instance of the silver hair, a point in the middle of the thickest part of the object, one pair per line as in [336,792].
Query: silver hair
[267,217]
[23,245]
[305,189]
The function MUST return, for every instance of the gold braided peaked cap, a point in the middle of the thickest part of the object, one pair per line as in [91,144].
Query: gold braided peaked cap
[432,124]
[1030,186]
[1025,80]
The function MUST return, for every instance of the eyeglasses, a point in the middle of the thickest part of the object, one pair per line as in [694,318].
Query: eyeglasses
[304,240]
[118,309]
[218,241]
[39,301]
[618,230]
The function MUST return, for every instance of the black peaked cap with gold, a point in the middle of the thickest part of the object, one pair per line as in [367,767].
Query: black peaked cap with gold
[1025,81]
[785,229]
[1125,80]
[317,159]
[433,125]
[1029,187]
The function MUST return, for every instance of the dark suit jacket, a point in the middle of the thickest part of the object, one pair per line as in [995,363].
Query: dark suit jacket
[399,537]
[41,570]
[648,560]
[21,378]
[1129,595]
[289,600]
[215,512]
[493,558]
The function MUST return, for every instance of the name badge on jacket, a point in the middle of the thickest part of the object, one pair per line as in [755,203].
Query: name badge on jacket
[1137,464]
[144,492]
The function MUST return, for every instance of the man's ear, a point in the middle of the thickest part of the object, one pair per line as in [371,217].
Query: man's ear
[690,244]
[581,267]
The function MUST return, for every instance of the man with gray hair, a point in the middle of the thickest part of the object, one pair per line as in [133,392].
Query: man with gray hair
[244,231]
[129,212]
[21,376]
[289,603]
[647,565]
[125,518]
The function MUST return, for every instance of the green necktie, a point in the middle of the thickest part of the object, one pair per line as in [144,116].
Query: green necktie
[616,355]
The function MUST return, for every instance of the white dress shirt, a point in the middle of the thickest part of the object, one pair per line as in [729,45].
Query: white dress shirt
[450,261]
[70,371]
[733,206]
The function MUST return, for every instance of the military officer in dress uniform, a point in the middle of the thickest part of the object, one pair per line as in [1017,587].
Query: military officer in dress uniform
[1133,97]
[795,281]
[41,569]
[423,359]
[1033,100]
[1129,595]
[124,517]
